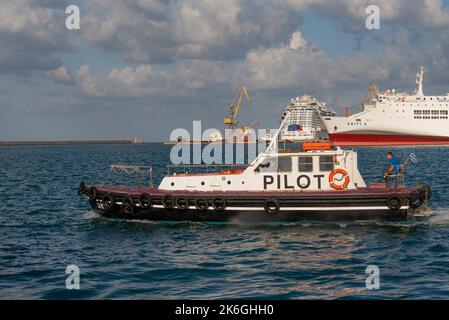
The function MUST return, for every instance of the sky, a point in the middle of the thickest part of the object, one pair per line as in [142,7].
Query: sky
[146,67]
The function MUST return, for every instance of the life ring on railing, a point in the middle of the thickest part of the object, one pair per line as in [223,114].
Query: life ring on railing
[107,201]
[219,204]
[128,205]
[168,202]
[182,203]
[345,177]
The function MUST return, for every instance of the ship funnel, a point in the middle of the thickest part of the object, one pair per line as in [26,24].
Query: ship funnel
[419,81]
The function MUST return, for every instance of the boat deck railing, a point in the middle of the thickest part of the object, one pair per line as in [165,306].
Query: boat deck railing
[173,169]
[396,181]
[124,172]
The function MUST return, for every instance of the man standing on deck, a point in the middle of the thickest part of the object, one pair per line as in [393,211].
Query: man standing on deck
[393,165]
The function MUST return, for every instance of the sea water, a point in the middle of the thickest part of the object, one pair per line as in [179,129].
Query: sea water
[45,227]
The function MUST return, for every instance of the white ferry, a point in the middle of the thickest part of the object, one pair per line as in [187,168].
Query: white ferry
[394,118]
[314,183]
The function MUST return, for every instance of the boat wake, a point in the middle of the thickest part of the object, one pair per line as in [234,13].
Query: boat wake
[426,218]
[90,215]
[440,218]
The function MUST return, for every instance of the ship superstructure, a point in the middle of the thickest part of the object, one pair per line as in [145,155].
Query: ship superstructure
[394,118]
[304,122]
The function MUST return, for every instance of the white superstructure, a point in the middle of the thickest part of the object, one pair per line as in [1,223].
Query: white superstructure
[299,171]
[394,118]
[304,122]
[277,170]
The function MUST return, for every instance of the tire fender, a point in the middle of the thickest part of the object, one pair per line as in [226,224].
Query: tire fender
[271,206]
[395,201]
[168,201]
[81,188]
[108,202]
[182,203]
[93,193]
[201,204]
[128,205]
[145,201]
[219,204]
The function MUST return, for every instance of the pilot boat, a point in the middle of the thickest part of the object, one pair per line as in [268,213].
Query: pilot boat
[314,182]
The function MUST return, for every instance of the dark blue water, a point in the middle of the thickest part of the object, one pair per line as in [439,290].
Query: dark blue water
[45,226]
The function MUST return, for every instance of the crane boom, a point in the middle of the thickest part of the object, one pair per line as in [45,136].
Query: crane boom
[243,91]
[234,106]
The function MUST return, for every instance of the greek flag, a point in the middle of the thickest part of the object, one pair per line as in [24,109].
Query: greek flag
[413,158]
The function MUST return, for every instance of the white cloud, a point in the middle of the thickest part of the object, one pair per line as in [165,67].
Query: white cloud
[161,31]
[91,84]
[297,66]
[29,34]
[351,13]
[297,41]
[62,75]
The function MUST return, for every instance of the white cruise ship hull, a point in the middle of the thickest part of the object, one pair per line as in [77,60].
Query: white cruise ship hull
[372,128]
[392,119]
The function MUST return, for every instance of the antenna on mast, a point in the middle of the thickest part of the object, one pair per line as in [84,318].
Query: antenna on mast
[419,81]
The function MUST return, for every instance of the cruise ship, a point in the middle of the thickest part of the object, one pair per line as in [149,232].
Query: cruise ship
[304,122]
[394,118]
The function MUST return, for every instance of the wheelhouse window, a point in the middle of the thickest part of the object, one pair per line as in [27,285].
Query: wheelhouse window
[275,165]
[266,165]
[326,163]
[305,164]
[284,165]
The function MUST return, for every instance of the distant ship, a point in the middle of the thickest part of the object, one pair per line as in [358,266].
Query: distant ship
[394,118]
[137,140]
[304,122]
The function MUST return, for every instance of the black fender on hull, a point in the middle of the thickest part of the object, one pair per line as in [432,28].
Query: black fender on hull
[255,207]
[255,216]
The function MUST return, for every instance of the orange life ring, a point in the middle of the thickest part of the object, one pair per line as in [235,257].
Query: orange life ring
[339,186]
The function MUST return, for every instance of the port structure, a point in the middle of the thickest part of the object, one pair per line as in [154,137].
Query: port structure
[234,107]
